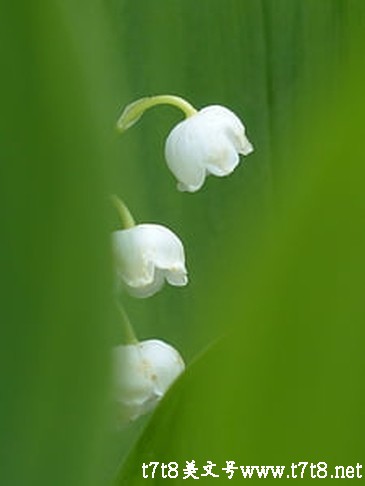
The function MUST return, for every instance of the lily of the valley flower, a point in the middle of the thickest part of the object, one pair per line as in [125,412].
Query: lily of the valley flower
[142,374]
[208,142]
[145,256]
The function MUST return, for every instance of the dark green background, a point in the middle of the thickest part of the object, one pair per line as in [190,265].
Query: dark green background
[275,252]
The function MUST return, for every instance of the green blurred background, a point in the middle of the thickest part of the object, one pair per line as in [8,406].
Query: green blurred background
[275,251]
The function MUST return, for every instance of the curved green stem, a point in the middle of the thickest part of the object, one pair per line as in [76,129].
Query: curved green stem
[125,215]
[133,112]
[129,336]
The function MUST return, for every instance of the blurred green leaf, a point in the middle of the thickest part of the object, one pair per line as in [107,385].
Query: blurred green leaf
[56,158]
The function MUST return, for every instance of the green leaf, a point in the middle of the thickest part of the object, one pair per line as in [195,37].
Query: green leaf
[56,155]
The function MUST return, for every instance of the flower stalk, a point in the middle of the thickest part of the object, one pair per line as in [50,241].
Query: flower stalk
[125,215]
[129,336]
[134,111]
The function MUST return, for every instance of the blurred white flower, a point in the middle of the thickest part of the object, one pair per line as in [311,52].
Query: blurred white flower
[142,374]
[147,254]
[208,142]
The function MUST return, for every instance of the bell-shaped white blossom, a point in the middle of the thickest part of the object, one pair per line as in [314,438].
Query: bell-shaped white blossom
[142,374]
[208,142]
[145,256]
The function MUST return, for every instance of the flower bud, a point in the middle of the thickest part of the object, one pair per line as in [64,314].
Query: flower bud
[143,372]
[208,142]
[145,256]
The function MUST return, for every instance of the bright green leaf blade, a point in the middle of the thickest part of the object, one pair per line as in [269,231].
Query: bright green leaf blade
[55,305]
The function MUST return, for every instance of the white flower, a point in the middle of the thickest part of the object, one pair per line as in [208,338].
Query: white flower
[147,254]
[208,142]
[142,374]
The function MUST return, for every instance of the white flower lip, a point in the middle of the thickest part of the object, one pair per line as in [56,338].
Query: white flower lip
[145,256]
[143,372]
[208,142]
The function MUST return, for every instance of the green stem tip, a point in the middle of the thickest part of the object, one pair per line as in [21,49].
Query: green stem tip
[129,336]
[125,215]
[133,112]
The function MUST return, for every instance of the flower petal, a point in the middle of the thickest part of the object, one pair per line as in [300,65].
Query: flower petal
[177,276]
[208,142]
[167,363]
[132,265]
[183,158]
[142,374]
[134,390]
[223,158]
[146,255]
